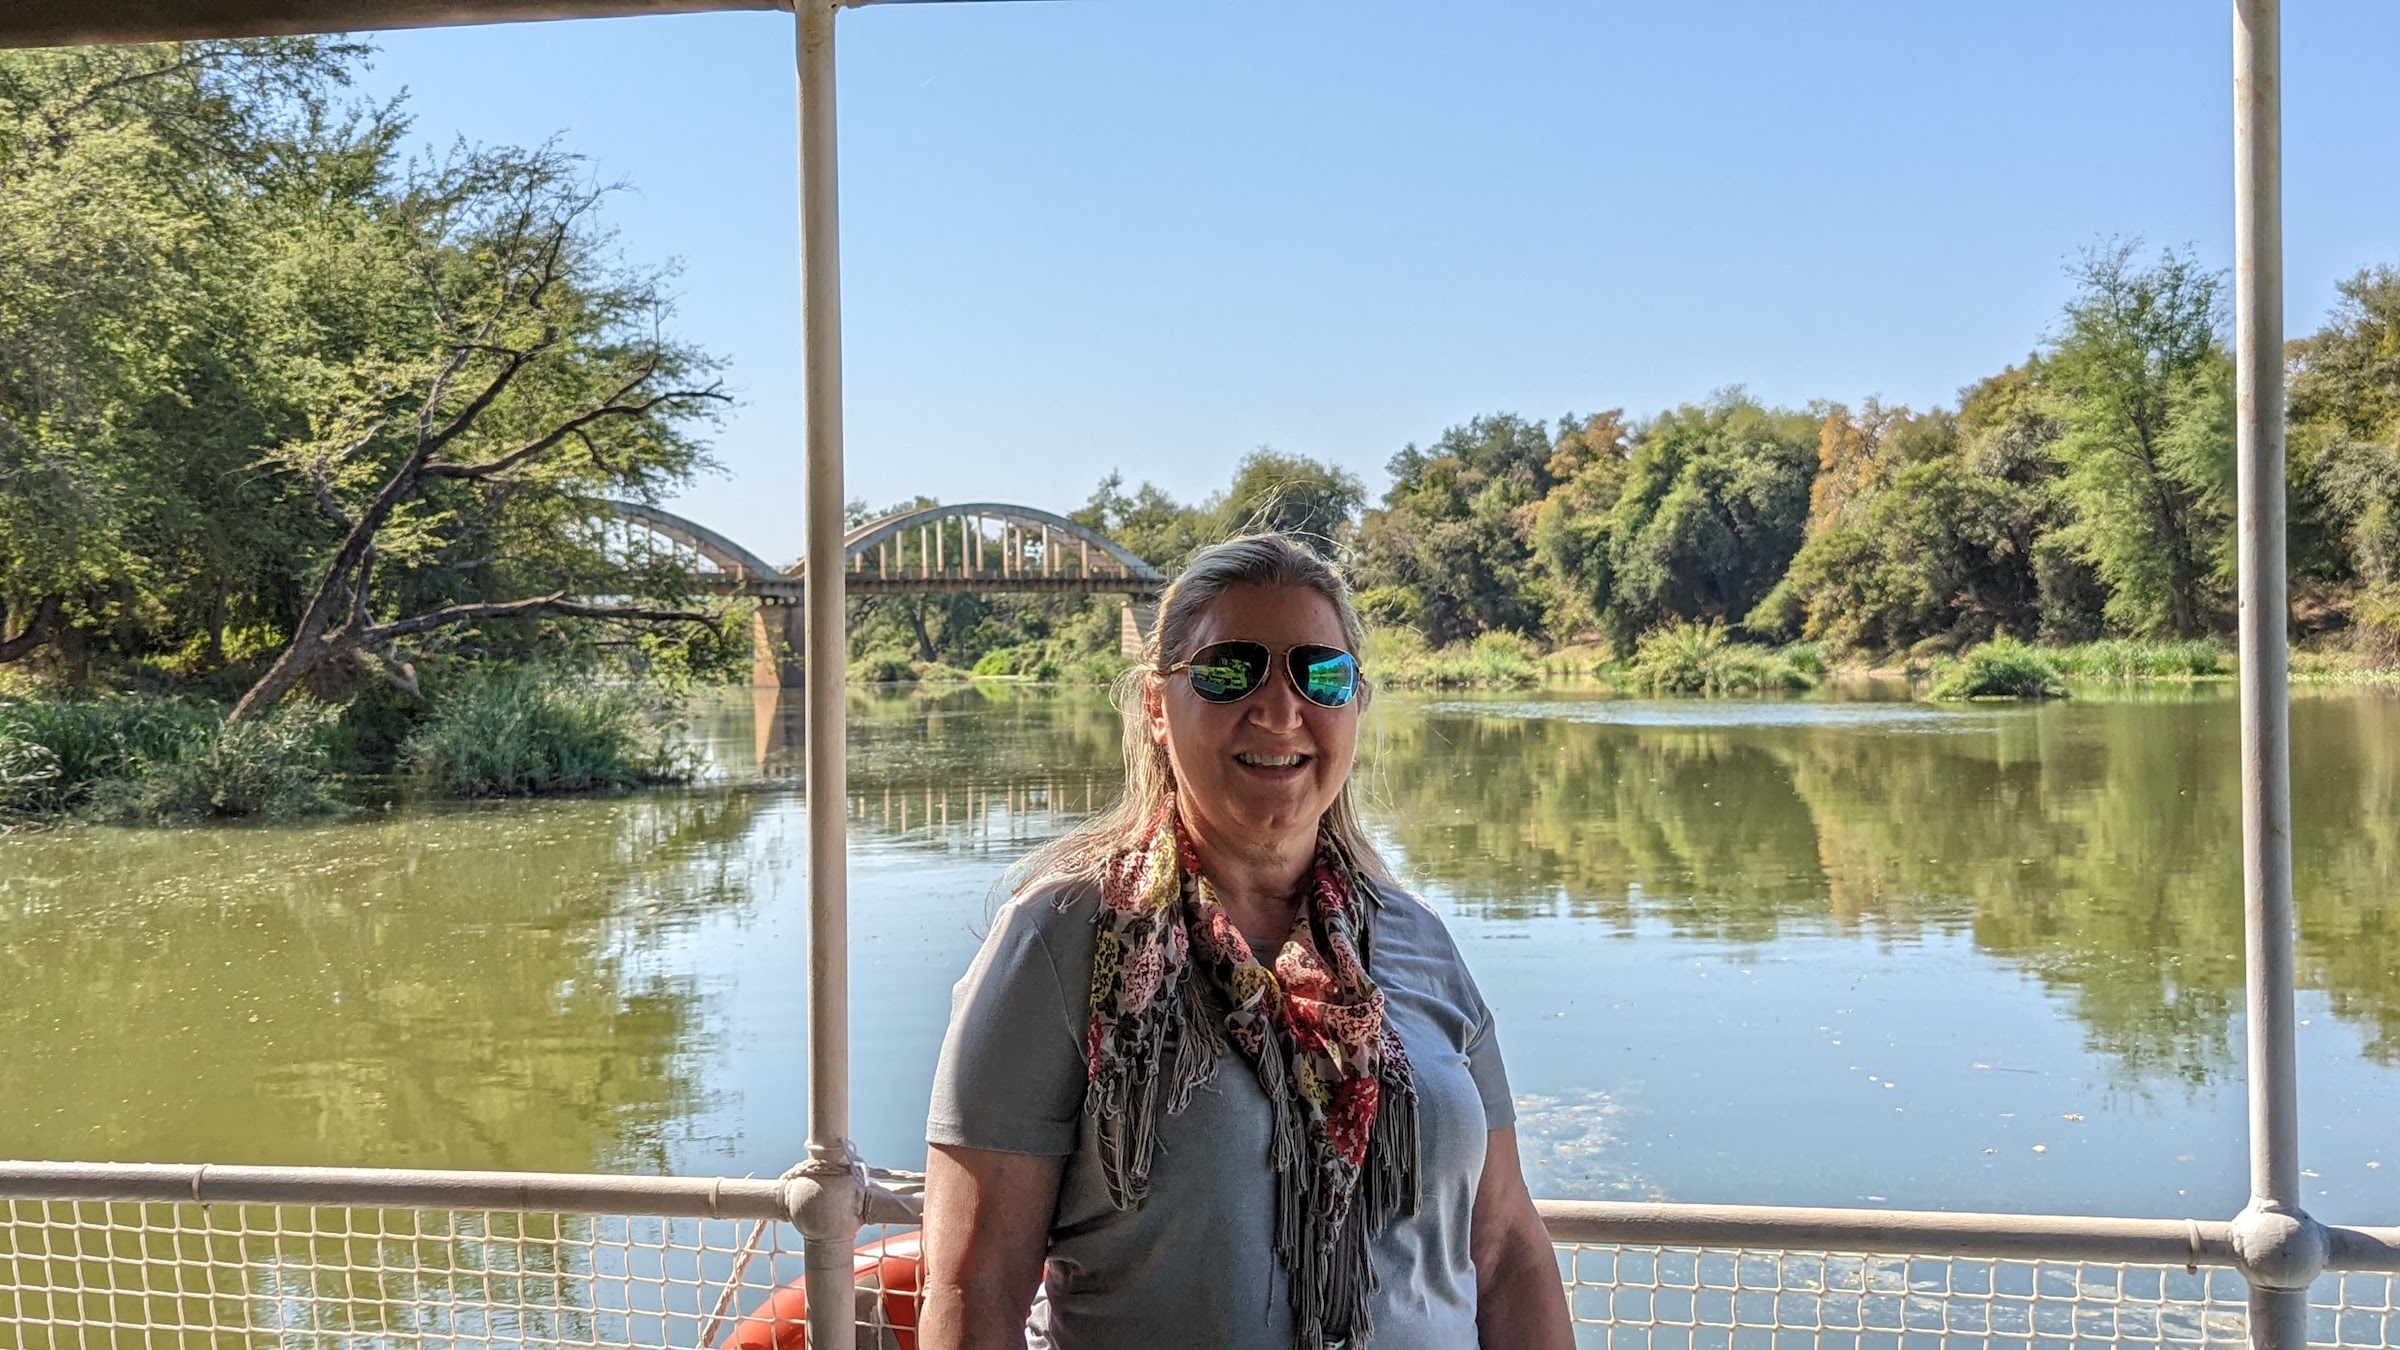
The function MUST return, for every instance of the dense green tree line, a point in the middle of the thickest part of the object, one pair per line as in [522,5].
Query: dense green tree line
[2084,493]
[279,407]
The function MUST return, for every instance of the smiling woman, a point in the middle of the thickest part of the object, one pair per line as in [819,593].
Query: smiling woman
[1214,1079]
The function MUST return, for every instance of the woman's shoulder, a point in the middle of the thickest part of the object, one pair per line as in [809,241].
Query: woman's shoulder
[1054,913]
[1404,919]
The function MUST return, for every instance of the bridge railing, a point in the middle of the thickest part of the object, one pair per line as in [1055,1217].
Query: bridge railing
[183,1254]
[1017,547]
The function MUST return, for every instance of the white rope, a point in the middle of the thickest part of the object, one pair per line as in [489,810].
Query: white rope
[741,1267]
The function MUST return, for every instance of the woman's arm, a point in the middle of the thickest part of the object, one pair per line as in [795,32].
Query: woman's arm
[987,1226]
[1518,1299]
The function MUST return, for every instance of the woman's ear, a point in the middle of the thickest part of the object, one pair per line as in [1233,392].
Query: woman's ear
[1154,705]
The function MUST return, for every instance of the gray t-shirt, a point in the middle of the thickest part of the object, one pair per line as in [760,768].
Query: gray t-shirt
[1195,1265]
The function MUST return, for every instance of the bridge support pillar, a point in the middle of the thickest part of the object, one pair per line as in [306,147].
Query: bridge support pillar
[776,633]
[1133,630]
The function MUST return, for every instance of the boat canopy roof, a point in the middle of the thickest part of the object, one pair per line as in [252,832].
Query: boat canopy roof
[65,23]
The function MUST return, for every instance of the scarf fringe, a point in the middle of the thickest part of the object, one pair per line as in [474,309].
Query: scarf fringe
[1148,1060]
[1137,1090]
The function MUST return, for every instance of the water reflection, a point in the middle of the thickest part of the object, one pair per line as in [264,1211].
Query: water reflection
[1694,919]
[2096,844]
[460,988]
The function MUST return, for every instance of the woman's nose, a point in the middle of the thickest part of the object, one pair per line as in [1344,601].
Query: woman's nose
[1277,706]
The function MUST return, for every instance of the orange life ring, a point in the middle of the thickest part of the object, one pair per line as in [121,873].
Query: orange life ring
[888,1274]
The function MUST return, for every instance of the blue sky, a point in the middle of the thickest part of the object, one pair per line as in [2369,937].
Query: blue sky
[1150,235]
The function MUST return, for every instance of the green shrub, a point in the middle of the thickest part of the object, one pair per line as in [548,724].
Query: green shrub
[535,731]
[1398,658]
[369,733]
[1806,657]
[1390,606]
[1102,668]
[55,755]
[1446,668]
[1027,660]
[886,667]
[1698,658]
[2376,618]
[2133,659]
[2000,668]
[1505,658]
[935,672]
[270,768]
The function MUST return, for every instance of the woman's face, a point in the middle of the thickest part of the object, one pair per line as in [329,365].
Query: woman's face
[1269,765]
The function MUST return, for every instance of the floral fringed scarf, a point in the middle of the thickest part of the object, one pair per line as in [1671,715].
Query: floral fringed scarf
[1312,1024]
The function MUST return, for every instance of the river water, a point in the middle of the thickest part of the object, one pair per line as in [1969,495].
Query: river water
[1842,951]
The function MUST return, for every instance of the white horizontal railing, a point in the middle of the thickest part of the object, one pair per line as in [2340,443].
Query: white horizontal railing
[361,1255]
[1646,1224]
[1939,1233]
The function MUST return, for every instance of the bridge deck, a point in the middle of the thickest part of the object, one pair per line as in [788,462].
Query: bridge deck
[787,590]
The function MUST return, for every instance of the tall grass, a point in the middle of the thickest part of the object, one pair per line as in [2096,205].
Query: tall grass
[149,759]
[882,667]
[534,731]
[1398,658]
[55,755]
[2136,659]
[1699,658]
[2376,616]
[272,768]
[2000,668]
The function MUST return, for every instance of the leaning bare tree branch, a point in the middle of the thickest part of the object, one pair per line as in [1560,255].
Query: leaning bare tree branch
[553,606]
[491,468]
[485,416]
[37,631]
[337,619]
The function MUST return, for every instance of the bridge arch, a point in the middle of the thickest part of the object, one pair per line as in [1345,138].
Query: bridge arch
[972,547]
[1031,546]
[727,556]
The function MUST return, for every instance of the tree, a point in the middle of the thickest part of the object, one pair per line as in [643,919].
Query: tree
[1588,462]
[1148,523]
[1290,494]
[2142,389]
[500,377]
[2345,411]
[1714,506]
[1454,538]
[1908,538]
[948,628]
[134,183]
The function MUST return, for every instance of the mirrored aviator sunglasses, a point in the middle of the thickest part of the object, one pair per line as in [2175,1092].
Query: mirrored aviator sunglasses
[1228,672]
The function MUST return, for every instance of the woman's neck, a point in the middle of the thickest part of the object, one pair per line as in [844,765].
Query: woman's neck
[1258,881]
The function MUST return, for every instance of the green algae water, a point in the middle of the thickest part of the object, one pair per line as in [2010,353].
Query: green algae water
[1840,951]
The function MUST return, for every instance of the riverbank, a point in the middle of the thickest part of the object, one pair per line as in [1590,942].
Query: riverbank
[166,759]
[1703,660]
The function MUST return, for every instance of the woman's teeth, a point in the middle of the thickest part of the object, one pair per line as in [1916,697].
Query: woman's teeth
[1271,761]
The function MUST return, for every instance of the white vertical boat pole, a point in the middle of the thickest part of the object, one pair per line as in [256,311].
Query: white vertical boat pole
[829,1211]
[2282,1248]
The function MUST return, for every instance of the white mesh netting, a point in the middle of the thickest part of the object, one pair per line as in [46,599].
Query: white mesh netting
[92,1273]
[1676,1297]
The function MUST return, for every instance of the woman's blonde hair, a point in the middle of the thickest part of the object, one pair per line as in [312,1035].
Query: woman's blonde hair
[1246,560]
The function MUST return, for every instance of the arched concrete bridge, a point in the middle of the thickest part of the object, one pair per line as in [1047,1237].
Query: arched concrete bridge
[973,548]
